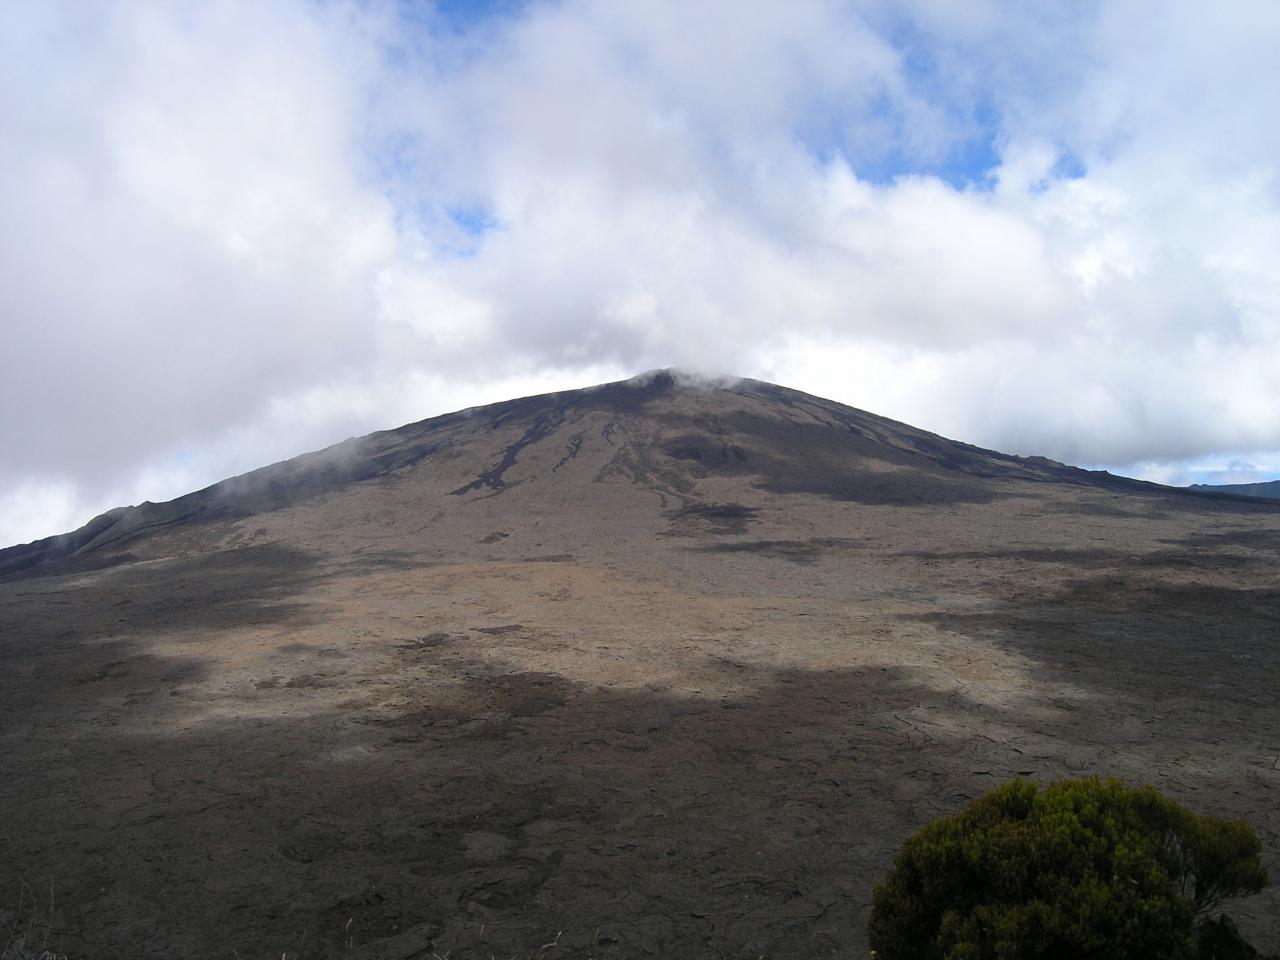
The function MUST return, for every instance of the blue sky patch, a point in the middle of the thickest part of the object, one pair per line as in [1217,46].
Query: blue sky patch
[476,221]
[459,16]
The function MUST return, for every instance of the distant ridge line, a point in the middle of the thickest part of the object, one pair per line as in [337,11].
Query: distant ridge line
[1265,490]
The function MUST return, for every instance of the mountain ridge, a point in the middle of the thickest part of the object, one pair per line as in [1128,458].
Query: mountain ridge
[1266,489]
[383,452]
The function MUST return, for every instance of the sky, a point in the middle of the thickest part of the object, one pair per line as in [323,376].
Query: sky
[233,232]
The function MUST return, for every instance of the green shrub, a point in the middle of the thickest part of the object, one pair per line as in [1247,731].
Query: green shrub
[1080,869]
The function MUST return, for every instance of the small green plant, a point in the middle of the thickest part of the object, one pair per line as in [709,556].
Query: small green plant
[1080,869]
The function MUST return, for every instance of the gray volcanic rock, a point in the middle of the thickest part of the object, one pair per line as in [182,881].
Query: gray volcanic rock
[661,668]
[1219,939]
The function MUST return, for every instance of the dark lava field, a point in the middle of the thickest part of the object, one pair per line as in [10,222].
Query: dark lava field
[657,669]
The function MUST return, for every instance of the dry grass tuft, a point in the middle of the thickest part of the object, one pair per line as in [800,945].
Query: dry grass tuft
[28,931]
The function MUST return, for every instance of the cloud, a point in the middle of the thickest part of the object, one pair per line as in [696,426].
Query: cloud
[183,236]
[231,233]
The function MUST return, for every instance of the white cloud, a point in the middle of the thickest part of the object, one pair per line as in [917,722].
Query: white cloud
[232,232]
[182,234]
[38,507]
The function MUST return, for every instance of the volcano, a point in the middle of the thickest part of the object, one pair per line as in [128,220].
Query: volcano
[663,667]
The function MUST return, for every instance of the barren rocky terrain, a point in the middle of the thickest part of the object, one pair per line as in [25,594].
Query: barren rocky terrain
[659,669]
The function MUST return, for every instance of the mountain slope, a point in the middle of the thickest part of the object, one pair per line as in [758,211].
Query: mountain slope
[657,669]
[660,432]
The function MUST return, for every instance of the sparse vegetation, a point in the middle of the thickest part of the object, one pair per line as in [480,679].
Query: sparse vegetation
[28,932]
[1078,869]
